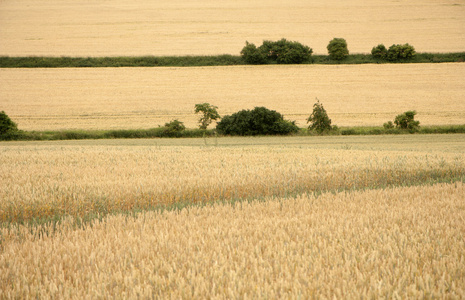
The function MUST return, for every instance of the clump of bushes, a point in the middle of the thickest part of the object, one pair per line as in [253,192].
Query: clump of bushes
[173,129]
[397,52]
[337,49]
[404,121]
[281,52]
[394,53]
[258,121]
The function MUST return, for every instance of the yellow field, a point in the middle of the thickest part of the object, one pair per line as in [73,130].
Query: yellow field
[397,243]
[42,180]
[108,98]
[293,239]
[178,27]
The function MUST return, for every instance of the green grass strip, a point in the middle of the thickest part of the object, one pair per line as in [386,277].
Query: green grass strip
[161,132]
[195,61]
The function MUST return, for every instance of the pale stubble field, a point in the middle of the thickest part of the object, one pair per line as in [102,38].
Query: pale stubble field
[123,98]
[210,27]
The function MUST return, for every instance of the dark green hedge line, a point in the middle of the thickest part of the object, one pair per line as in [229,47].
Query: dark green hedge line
[199,133]
[160,132]
[421,130]
[115,62]
[193,61]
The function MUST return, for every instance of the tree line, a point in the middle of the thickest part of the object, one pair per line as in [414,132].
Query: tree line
[291,52]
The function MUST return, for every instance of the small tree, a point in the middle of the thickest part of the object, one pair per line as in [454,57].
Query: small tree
[337,49]
[379,51]
[406,121]
[6,124]
[209,113]
[319,118]
[173,128]
[253,55]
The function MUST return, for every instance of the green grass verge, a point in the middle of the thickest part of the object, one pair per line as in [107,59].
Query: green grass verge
[194,61]
[161,132]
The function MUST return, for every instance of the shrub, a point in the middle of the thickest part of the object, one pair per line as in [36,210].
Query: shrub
[397,52]
[281,52]
[319,119]
[259,121]
[388,125]
[337,49]
[406,121]
[252,55]
[7,126]
[173,128]
[209,113]
[379,51]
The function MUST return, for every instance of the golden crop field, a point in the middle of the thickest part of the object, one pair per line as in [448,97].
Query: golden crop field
[179,27]
[264,217]
[122,98]
[43,180]
[393,243]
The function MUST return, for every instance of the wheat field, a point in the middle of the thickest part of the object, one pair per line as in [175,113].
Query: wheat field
[391,243]
[122,98]
[210,27]
[267,217]
[45,180]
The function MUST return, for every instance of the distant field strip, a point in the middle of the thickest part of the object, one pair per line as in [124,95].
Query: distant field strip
[131,98]
[401,243]
[211,27]
[46,180]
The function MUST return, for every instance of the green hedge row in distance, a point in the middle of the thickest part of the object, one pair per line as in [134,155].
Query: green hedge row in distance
[194,61]
[199,133]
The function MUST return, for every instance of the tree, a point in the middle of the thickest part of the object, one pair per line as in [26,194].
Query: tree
[379,51]
[252,55]
[6,124]
[259,121]
[337,49]
[406,121]
[281,52]
[319,118]
[397,52]
[209,113]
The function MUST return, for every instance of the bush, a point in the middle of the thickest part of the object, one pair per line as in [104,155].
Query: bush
[259,121]
[7,126]
[379,51]
[252,55]
[319,119]
[406,121]
[398,52]
[388,125]
[173,129]
[281,52]
[337,49]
